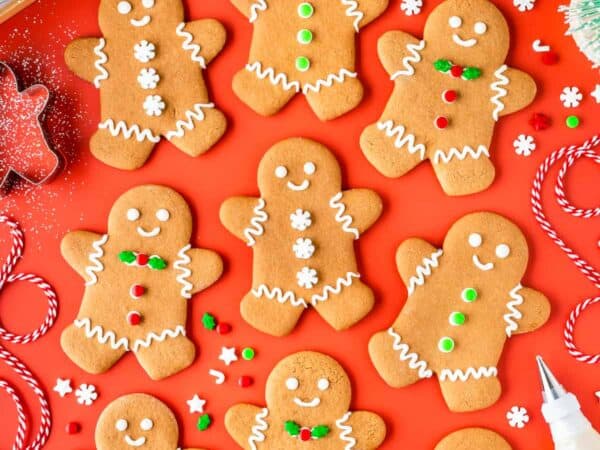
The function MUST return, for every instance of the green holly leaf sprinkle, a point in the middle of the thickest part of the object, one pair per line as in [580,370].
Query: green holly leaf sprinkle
[157,263]
[443,65]
[209,322]
[320,431]
[127,257]
[292,428]
[204,422]
[471,73]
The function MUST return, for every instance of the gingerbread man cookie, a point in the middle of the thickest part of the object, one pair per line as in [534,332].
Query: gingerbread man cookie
[137,420]
[473,439]
[139,278]
[304,47]
[148,67]
[450,89]
[308,396]
[302,229]
[464,302]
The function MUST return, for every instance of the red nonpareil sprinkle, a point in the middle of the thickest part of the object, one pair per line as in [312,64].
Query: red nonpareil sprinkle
[305,434]
[142,259]
[137,290]
[134,318]
[245,381]
[449,96]
[549,58]
[456,71]
[441,122]
[73,428]
[223,328]
[539,121]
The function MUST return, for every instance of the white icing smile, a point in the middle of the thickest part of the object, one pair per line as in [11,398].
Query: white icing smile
[464,43]
[152,233]
[135,442]
[298,187]
[480,265]
[141,22]
[312,404]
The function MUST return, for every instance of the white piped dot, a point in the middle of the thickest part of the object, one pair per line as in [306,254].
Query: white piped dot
[292,383]
[163,215]
[148,4]
[281,172]
[310,168]
[475,240]
[323,384]
[124,7]
[455,21]
[502,251]
[480,28]
[146,424]
[133,214]
[121,425]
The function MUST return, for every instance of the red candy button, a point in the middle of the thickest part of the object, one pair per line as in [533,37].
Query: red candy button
[137,290]
[449,96]
[245,381]
[456,71]
[142,259]
[441,122]
[223,328]
[539,121]
[73,428]
[305,434]
[134,318]
[549,58]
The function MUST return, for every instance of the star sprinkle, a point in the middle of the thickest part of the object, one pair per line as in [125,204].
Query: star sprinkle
[196,404]
[63,387]
[596,93]
[228,355]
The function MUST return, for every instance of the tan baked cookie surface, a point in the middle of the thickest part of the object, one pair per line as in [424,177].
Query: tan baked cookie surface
[137,421]
[473,439]
[464,301]
[149,67]
[302,230]
[450,89]
[308,397]
[304,47]
[138,277]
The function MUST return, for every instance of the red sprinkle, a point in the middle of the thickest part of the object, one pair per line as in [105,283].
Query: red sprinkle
[142,259]
[137,290]
[223,328]
[73,428]
[134,318]
[441,122]
[449,96]
[456,71]
[539,121]
[305,434]
[245,381]
[549,58]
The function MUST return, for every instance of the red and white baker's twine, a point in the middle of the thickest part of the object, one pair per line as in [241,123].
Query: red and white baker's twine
[570,155]
[6,276]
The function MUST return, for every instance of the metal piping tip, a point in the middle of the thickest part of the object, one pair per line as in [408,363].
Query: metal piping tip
[551,388]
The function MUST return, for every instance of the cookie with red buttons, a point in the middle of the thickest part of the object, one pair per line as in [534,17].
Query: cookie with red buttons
[473,439]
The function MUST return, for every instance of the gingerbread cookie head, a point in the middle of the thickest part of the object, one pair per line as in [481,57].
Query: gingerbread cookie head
[139,16]
[472,32]
[151,216]
[137,421]
[299,169]
[309,387]
[473,439]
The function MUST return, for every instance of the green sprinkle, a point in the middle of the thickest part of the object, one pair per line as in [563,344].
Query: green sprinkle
[302,63]
[469,295]
[446,344]
[306,10]
[443,65]
[471,73]
[127,257]
[305,36]
[292,428]
[457,319]
[320,431]
[572,121]
[157,263]
[248,353]
[204,422]
[209,322]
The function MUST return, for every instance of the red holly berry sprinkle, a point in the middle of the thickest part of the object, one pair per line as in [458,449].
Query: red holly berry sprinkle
[549,58]
[441,122]
[456,71]
[245,381]
[449,96]
[223,328]
[134,318]
[539,121]
[137,290]
[142,259]
[73,428]
[305,434]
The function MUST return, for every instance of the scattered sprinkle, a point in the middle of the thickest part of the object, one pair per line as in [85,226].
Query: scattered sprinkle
[248,353]
[208,321]
[204,422]
[517,417]
[228,355]
[572,121]
[219,376]
[196,404]
[524,145]
[571,97]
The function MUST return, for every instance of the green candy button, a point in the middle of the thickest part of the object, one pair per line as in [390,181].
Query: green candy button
[446,344]
[305,36]
[248,353]
[572,121]
[306,10]
[457,319]
[469,295]
[302,63]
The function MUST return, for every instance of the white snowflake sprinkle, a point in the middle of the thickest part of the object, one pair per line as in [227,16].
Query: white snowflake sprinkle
[517,417]
[596,93]
[524,5]
[301,220]
[524,145]
[571,97]
[303,248]
[86,394]
[148,78]
[144,51]
[411,7]
[154,105]
[307,278]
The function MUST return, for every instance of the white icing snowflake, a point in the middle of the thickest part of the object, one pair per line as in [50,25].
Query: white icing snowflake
[411,7]
[524,145]
[86,394]
[303,248]
[517,417]
[148,78]
[307,278]
[596,93]
[144,51]
[301,220]
[524,5]
[154,105]
[571,97]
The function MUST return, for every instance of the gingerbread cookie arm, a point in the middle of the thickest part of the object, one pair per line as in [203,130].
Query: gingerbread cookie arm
[81,250]
[206,268]
[414,258]
[242,217]
[363,206]
[512,91]
[209,35]
[246,422]
[81,57]
[368,429]
[371,10]
[534,311]
[393,50]
[244,6]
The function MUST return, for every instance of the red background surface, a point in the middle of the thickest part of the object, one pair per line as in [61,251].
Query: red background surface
[82,195]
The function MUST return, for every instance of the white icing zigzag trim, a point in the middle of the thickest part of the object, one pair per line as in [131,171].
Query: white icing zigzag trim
[424,270]
[353,11]
[121,127]
[328,82]
[103,337]
[467,151]
[279,295]
[513,313]
[191,115]
[340,283]
[99,64]
[413,58]
[258,5]
[153,337]
[256,228]
[402,138]
[259,429]
[94,257]
[274,78]
[414,362]
[497,86]
[189,46]
[340,217]
[182,265]
[346,434]
[471,372]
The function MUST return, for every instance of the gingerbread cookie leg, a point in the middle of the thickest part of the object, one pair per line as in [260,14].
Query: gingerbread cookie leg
[121,146]
[264,312]
[480,390]
[335,100]
[262,90]
[89,354]
[167,357]
[348,307]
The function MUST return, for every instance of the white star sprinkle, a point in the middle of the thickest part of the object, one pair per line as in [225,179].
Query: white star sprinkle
[196,404]
[228,355]
[63,387]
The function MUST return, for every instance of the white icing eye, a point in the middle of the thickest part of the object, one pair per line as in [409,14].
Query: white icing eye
[133,214]
[281,172]
[146,424]
[480,28]
[475,240]
[124,7]
[121,425]
[455,21]
[148,3]
[323,384]
[502,251]
[163,215]
[310,168]
[292,383]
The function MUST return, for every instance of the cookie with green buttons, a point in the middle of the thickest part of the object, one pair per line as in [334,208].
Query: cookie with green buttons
[304,47]
[473,439]
[464,301]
